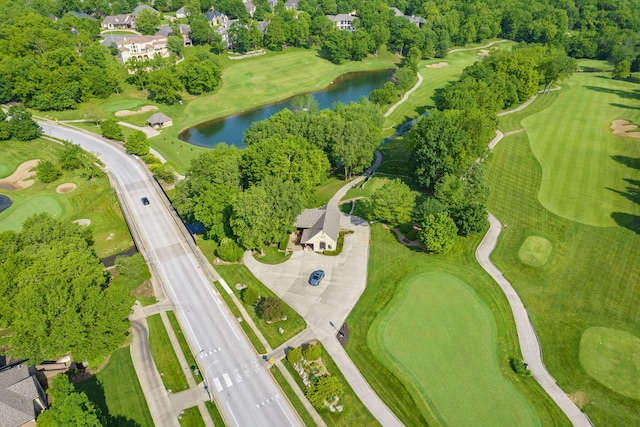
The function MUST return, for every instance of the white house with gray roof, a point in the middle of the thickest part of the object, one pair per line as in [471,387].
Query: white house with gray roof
[319,228]
[21,396]
[343,21]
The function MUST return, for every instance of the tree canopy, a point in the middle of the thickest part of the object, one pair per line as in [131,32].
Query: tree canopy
[69,407]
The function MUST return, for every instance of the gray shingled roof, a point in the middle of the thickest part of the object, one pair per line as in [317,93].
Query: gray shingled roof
[314,221]
[18,390]
[158,118]
[139,8]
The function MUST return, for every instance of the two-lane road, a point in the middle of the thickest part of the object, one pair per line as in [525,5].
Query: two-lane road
[245,392]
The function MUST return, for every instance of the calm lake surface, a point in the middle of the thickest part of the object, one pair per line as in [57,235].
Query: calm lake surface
[345,89]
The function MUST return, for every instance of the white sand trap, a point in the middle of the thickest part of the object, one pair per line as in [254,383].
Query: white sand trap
[483,52]
[123,113]
[67,187]
[83,221]
[22,177]
[622,128]
[438,65]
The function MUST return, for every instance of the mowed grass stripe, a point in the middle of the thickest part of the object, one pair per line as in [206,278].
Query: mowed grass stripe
[450,355]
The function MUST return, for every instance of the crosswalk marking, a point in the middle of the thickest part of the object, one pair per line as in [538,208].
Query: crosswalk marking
[227,379]
[216,382]
[237,376]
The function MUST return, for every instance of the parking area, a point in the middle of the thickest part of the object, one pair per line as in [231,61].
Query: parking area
[344,281]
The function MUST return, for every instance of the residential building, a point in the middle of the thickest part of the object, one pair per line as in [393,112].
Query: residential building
[185,32]
[291,4]
[418,20]
[223,30]
[251,8]
[139,8]
[319,229]
[343,21]
[119,22]
[141,48]
[21,396]
[216,19]
[182,13]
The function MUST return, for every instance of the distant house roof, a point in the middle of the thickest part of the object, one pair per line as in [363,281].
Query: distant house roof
[214,15]
[165,30]
[182,12]
[251,8]
[82,15]
[21,397]
[123,19]
[291,4]
[314,221]
[262,26]
[139,8]
[158,119]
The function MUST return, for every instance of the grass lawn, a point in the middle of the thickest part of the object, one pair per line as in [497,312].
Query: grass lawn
[239,273]
[164,356]
[191,417]
[272,255]
[391,266]
[586,170]
[354,413]
[453,364]
[94,199]
[590,279]
[612,357]
[325,191]
[183,345]
[292,396]
[214,413]
[116,391]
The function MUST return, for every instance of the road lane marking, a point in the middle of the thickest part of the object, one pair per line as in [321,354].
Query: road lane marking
[237,375]
[216,382]
[284,412]
[227,379]
[234,417]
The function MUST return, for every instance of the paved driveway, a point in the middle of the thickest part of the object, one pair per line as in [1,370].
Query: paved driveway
[344,281]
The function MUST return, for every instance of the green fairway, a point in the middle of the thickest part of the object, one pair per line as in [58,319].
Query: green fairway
[612,357]
[535,251]
[584,166]
[590,280]
[92,199]
[450,355]
[116,391]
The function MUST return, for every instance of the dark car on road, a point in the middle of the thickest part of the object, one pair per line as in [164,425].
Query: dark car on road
[145,201]
[316,277]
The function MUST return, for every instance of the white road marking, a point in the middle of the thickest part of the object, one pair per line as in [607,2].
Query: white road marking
[234,417]
[216,382]
[227,379]
[237,375]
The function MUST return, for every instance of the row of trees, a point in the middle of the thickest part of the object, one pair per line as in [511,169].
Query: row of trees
[254,196]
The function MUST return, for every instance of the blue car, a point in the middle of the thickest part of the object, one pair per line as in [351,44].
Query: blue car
[316,277]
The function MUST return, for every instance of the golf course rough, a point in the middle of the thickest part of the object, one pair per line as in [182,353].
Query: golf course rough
[581,179]
[612,357]
[535,251]
[449,355]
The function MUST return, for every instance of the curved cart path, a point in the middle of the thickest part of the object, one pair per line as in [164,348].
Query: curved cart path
[529,343]
[405,96]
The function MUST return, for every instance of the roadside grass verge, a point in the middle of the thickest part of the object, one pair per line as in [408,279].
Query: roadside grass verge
[354,412]
[191,417]
[253,338]
[92,199]
[164,356]
[389,264]
[590,279]
[239,273]
[292,396]
[183,345]
[214,413]
[117,392]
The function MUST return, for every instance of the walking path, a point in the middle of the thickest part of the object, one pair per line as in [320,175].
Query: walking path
[147,130]
[405,96]
[478,47]
[529,343]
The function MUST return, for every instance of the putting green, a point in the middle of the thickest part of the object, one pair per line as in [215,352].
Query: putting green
[535,251]
[442,338]
[12,218]
[612,357]
[583,170]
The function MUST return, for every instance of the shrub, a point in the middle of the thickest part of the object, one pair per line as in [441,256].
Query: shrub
[294,355]
[137,143]
[327,388]
[312,352]
[48,171]
[272,309]
[111,129]
[518,366]
[163,172]
[229,250]
[150,159]
[250,295]
[438,232]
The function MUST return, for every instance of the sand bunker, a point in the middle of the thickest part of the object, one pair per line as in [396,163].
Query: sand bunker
[622,128]
[123,113]
[22,177]
[83,221]
[438,65]
[483,52]
[67,187]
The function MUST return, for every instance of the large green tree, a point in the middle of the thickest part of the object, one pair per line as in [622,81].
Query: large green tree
[21,124]
[392,203]
[137,143]
[437,232]
[148,22]
[69,407]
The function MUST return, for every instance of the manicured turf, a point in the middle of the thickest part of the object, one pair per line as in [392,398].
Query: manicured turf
[584,166]
[214,413]
[272,255]
[183,345]
[239,273]
[301,410]
[591,280]
[116,391]
[94,199]
[390,264]
[612,357]
[191,417]
[451,355]
[164,356]
[535,251]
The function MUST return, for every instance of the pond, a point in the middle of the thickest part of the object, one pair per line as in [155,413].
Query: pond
[345,89]
[5,202]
